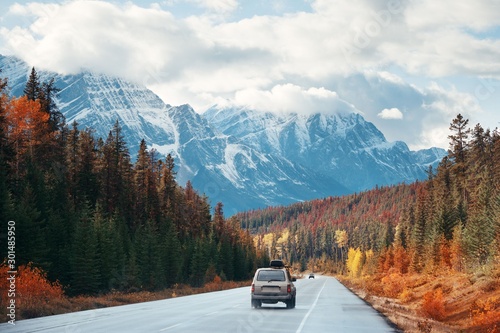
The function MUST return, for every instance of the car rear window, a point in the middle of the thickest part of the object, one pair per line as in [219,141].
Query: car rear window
[268,275]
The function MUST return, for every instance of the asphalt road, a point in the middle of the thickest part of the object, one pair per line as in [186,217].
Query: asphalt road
[323,305]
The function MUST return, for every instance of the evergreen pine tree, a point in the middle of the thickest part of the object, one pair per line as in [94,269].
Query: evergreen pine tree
[198,264]
[446,212]
[458,152]
[85,275]
[141,169]
[87,182]
[240,261]
[171,253]
[58,240]
[146,249]
[115,172]
[33,207]
[108,259]
[131,271]
[47,92]
[30,242]
[419,233]
[72,159]
[479,233]
[167,187]
[226,259]
[32,89]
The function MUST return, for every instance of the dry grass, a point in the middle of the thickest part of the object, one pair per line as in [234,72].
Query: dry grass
[444,302]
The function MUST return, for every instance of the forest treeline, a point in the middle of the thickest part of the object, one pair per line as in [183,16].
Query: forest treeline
[449,221]
[94,219]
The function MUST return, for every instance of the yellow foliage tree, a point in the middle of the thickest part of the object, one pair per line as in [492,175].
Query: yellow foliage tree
[341,238]
[354,263]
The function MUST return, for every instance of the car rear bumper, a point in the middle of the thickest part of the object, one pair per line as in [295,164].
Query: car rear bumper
[263,297]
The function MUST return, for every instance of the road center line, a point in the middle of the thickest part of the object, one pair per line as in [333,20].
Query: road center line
[310,310]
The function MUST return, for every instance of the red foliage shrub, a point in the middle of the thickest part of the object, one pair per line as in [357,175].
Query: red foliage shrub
[433,305]
[34,294]
[215,284]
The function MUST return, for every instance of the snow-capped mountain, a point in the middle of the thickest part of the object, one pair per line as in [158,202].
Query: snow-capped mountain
[96,101]
[341,145]
[243,158]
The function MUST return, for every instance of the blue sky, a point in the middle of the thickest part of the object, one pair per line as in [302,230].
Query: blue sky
[408,66]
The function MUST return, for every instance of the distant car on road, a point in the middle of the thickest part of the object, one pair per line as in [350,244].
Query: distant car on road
[272,285]
[311,276]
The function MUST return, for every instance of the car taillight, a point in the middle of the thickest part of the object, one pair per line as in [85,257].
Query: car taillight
[253,287]
[289,288]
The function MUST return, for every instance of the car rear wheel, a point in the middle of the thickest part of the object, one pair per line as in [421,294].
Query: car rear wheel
[256,303]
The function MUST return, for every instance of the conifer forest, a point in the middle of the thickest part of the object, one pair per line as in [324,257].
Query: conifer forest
[95,220]
[449,221]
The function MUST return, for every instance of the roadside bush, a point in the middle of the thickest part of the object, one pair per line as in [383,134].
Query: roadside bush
[486,314]
[433,305]
[374,286]
[393,284]
[407,295]
[35,295]
[214,285]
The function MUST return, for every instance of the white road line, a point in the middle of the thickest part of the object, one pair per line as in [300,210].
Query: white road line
[302,323]
[170,327]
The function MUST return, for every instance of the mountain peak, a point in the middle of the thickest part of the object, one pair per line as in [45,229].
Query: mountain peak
[246,158]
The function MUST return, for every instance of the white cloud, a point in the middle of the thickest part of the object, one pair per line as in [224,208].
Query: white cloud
[291,98]
[392,113]
[221,6]
[127,41]
[335,38]
[440,106]
[271,61]
[434,15]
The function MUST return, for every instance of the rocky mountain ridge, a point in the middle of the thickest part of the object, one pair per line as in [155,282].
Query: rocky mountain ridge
[243,158]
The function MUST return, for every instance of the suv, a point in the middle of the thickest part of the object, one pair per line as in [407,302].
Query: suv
[272,285]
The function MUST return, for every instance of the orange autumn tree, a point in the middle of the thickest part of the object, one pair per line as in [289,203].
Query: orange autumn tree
[27,128]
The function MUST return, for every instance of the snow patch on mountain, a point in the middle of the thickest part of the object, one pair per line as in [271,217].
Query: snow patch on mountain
[228,168]
[345,145]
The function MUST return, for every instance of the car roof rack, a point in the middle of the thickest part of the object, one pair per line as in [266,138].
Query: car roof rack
[277,263]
